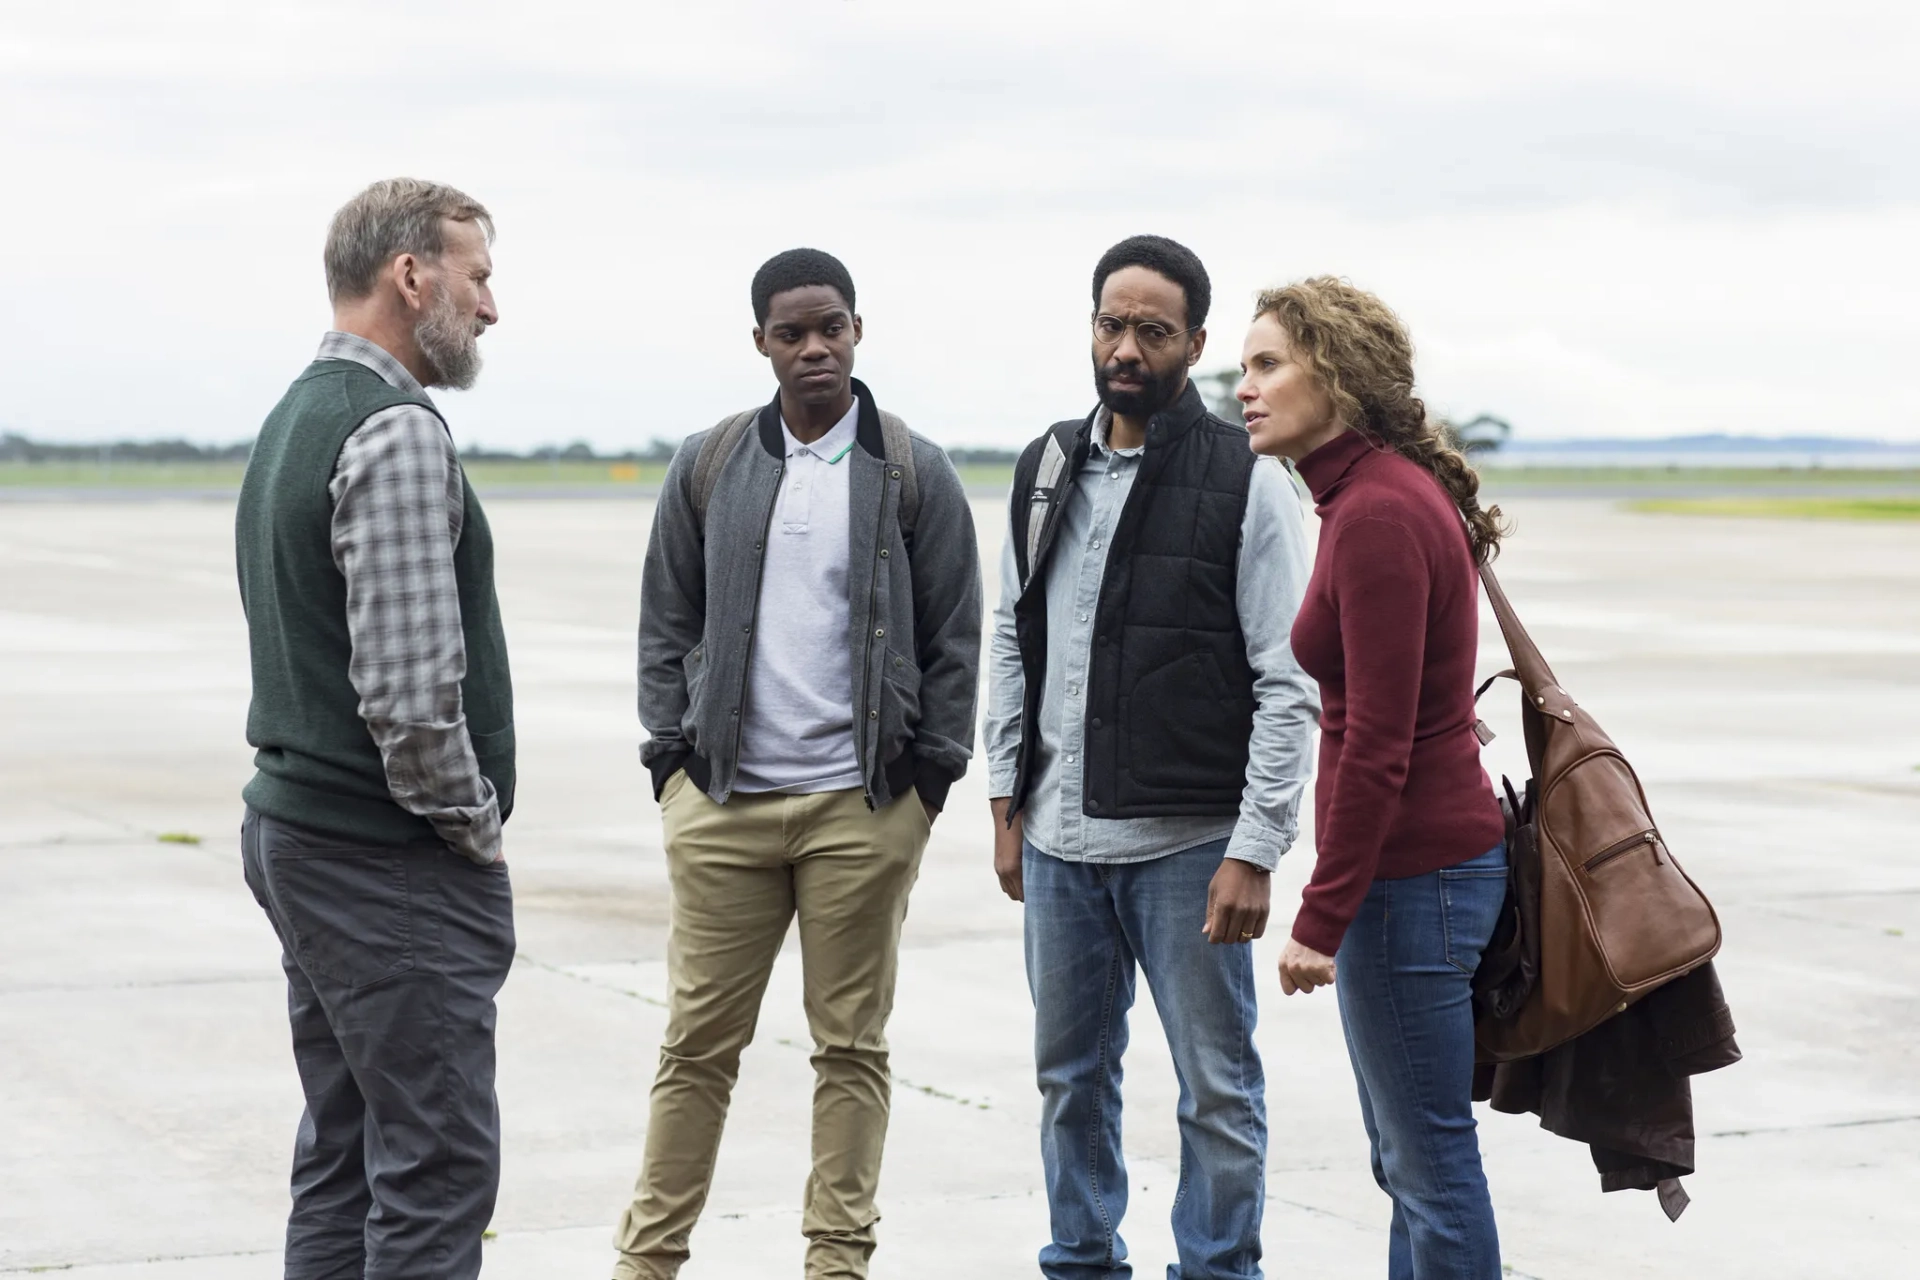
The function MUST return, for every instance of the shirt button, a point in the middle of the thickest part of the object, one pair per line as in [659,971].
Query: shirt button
[1069,759]
[1096,544]
[880,631]
[1096,723]
[883,553]
[1083,617]
[873,715]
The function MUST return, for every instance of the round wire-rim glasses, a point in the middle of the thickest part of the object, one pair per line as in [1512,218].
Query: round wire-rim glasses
[1150,334]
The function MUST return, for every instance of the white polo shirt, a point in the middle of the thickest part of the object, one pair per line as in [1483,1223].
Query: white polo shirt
[796,732]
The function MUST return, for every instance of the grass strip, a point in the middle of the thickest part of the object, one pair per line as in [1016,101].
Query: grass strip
[1785,508]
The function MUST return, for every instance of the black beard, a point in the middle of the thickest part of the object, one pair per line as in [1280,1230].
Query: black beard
[1155,392]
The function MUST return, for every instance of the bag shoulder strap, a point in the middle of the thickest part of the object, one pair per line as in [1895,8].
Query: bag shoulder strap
[714,452]
[1530,667]
[898,444]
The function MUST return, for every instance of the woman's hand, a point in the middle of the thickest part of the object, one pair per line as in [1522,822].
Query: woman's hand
[1302,969]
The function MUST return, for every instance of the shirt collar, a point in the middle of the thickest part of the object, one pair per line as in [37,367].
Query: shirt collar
[351,346]
[1102,424]
[831,447]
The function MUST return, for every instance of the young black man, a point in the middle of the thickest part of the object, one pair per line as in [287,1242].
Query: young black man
[809,656]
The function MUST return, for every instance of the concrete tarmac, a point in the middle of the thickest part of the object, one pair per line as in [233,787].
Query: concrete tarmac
[1763,676]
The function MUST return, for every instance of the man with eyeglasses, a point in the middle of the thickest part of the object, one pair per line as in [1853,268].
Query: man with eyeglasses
[1147,746]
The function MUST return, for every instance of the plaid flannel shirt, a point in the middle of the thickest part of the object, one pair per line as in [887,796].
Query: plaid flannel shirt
[399,502]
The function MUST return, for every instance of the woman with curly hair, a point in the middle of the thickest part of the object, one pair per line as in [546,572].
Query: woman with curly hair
[1411,870]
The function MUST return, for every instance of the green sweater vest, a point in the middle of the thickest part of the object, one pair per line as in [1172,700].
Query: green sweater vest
[317,763]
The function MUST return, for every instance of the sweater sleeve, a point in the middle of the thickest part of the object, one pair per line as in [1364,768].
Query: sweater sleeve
[1381,585]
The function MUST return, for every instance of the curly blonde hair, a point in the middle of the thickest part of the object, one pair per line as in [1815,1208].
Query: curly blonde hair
[1357,350]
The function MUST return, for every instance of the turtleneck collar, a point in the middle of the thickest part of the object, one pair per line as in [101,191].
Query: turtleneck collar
[1326,469]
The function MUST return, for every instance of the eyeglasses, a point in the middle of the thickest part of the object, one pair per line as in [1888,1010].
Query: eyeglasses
[1150,334]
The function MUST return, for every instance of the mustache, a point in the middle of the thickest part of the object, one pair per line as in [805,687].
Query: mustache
[1125,369]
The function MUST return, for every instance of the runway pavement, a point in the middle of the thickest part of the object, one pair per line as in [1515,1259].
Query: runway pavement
[1763,676]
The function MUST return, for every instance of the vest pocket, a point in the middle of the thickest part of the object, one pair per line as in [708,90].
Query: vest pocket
[1186,729]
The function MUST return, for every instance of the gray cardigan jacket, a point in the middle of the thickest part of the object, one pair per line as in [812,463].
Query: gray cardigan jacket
[914,618]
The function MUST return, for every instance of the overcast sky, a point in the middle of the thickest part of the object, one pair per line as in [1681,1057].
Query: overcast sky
[1597,219]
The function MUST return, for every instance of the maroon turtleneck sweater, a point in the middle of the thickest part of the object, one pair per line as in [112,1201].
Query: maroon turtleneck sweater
[1389,628]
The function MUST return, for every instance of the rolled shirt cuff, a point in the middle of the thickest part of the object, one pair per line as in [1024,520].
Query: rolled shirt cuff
[1260,846]
[474,833]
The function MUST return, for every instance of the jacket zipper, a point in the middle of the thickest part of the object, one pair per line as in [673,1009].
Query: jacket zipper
[866,665]
[753,620]
[1626,846]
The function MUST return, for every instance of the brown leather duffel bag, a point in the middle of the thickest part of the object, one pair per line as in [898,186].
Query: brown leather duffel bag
[1615,916]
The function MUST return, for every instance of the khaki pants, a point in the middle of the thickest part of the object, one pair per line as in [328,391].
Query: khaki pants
[740,873]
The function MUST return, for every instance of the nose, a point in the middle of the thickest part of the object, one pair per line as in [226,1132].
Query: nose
[815,348]
[1127,350]
[1243,391]
[489,313]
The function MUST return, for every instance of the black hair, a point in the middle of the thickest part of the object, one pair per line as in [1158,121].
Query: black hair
[1169,258]
[796,269]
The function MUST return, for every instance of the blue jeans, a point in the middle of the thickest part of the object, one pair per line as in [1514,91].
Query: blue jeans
[1405,986]
[1087,927]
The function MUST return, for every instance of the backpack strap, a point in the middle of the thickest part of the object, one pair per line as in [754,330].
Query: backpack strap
[898,443]
[714,452]
[1038,489]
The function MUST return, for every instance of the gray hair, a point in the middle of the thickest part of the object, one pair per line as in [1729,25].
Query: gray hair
[392,217]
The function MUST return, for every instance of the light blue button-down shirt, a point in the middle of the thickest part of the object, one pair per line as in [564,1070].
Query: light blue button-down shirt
[1271,578]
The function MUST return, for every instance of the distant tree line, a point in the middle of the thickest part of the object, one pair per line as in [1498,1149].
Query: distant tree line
[18,448]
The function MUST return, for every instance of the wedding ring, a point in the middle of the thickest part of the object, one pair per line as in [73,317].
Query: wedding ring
[1246,937]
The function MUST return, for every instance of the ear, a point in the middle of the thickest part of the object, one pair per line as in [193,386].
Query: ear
[408,277]
[1199,346]
[759,340]
[857,329]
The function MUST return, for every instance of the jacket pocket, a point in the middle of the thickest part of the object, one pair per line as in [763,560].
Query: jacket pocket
[693,668]
[900,709]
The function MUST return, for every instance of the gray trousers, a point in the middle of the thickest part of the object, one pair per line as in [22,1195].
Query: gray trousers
[393,957]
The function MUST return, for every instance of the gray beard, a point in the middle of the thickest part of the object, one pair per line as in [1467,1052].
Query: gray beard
[450,343]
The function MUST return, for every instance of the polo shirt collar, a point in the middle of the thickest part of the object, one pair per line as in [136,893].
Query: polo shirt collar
[831,447]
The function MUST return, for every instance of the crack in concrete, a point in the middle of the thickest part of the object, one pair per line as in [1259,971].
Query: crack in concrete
[1810,1128]
[47,1268]
[587,980]
[142,984]
[928,1090]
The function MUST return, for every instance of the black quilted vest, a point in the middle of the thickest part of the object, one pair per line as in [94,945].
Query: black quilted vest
[1170,694]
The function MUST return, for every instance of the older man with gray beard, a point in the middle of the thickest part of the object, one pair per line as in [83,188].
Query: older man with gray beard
[383,717]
